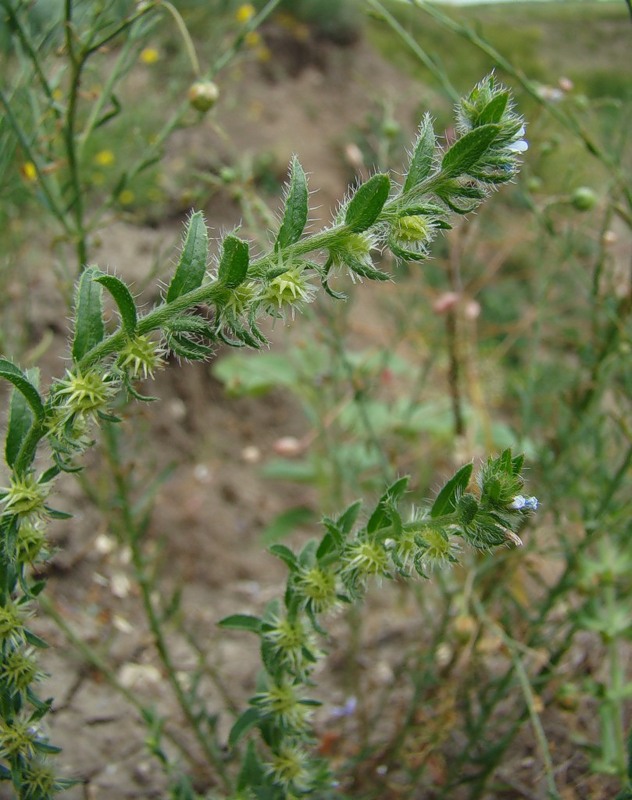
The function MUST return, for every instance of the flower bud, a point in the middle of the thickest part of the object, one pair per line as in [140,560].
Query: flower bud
[140,357]
[283,704]
[318,589]
[289,767]
[290,289]
[584,199]
[26,497]
[292,643]
[203,95]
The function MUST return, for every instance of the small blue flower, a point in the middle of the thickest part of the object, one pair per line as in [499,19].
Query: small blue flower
[524,503]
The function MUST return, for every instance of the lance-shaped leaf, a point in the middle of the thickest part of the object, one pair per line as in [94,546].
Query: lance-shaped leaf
[20,421]
[89,327]
[286,555]
[245,722]
[252,773]
[422,159]
[383,511]
[241,622]
[233,264]
[124,301]
[366,270]
[296,208]
[14,375]
[468,150]
[187,348]
[192,265]
[448,497]
[494,110]
[367,203]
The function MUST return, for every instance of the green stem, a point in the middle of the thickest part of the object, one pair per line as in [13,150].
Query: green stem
[105,94]
[153,620]
[421,54]
[95,660]
[42,180]
[93,48]
[612,709]
[28,448]
[184,33]
[77,63]
[531,88]
[228,55]
[25,41]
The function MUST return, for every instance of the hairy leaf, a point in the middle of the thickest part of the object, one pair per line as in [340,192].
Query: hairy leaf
[296,208]
[124,300]
[447,498]
[233,265]
[367,203]
[20,420]
[494,110]
[192,265]
[89,327]
[468,150]
[423,155]
[14,375]
[245,722]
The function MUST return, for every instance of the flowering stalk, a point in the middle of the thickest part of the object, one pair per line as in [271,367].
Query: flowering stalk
[337,570]
[201,307]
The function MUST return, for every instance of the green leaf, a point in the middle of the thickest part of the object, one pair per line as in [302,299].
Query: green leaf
[241,622]
[54,513]
[252,774]
[286,555]
[124,300]
[14,375]
[286,522]
[366,270]
[422,159]
[301,470]
[468,150]
[245,722]
[255,375]
[382,516]
[189,324]
[35,640]
[494,110]
[46,747]
[187,348]
[20,421]
[517,464]
[447,498]
[296,208]
[233,265]
[347,519]
[89,327]
[192,265]
[367,203]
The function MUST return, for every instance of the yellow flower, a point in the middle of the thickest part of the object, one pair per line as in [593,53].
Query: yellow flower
[126,197]
[264,54]
[104,158]
[149,55]
[29,173]
[252,39]
[245,12]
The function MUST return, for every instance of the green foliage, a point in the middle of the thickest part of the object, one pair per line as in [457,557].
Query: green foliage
[553,339]
[105,363]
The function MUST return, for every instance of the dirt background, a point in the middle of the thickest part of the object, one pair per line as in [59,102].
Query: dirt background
[208,515]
